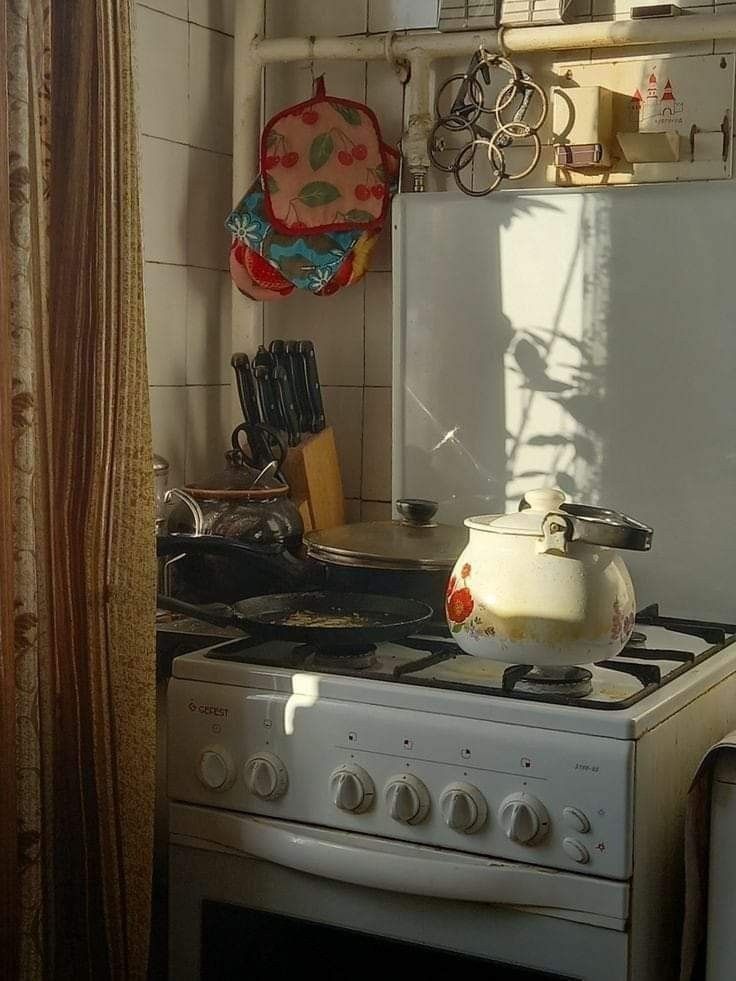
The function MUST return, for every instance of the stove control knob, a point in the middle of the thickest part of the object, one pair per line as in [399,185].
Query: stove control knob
[265,776]
[407,799]
[352,789]
[575,819]
[524,819]
[464,808]
[576,850]
[215,768]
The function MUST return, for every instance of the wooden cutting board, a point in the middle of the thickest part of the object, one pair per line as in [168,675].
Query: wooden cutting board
[312,470]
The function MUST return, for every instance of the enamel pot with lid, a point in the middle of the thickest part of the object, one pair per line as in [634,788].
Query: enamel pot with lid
[545,585]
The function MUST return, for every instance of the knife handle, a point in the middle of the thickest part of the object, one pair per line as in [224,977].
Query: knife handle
[246,387]
[297,374]
[314,391]
[287,403]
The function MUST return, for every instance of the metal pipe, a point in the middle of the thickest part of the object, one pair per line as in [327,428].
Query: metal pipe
[517,40]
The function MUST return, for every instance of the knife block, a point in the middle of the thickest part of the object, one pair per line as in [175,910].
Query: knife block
[312,470]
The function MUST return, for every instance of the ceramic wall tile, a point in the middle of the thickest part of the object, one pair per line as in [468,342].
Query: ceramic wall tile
[300,18]
[208,202]
[161,49]
[169,428]
[166,200]
[378,328]
[352,510]
[344,412]
[385,95]
[208,428]
[334,323]
[381,257]
[210,89]
[177,8]
[375,511]
[399,15]
[376,485]
[166,315]
[287,84]
[218,14]
[208,328]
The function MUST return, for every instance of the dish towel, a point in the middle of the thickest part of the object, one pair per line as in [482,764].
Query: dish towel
[697,850]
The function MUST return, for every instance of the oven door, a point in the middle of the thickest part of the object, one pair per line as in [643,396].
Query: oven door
[262,896]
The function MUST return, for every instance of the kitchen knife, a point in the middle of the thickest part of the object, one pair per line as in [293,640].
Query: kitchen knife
[287,403]
[314,391]
[257,441]
[263,365]
[298,376]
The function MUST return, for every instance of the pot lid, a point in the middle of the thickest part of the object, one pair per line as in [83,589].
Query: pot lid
[238,482]
[415,542]
[583,522]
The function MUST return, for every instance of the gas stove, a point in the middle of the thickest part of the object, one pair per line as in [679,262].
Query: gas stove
[660,651]
[415,756]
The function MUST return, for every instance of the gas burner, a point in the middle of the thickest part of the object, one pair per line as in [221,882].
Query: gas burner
[572,681]
[337,658]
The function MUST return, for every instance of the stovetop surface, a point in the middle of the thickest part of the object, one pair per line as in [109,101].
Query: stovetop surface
[662,649]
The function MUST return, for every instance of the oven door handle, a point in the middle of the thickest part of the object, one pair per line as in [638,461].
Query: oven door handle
[395,866]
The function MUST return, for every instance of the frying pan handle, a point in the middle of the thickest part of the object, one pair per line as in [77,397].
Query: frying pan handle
[228,618]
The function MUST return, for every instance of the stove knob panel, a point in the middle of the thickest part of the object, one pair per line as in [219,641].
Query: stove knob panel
[352,789]
[265,776]
[215,768]
[407,799]
[524,819]
[464,808]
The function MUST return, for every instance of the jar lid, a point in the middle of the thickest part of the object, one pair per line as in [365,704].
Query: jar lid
[584,522]
[415,542]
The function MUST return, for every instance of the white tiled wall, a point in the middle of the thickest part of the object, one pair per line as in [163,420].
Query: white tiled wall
[185,53]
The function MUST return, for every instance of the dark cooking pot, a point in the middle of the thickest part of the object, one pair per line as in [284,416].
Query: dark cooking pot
[410,557]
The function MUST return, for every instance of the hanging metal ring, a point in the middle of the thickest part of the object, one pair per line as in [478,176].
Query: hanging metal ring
[501,64]
[454,124]
[472,109]
[461,164]
[514,87]
[506,130]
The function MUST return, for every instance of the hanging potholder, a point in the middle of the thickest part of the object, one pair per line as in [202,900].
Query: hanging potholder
[325,167]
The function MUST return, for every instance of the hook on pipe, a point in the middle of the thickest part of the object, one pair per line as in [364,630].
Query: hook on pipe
[401,66]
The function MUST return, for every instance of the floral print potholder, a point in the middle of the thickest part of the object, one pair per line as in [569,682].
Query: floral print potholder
[328,243]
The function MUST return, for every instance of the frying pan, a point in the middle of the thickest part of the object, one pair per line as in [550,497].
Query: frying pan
[361,619]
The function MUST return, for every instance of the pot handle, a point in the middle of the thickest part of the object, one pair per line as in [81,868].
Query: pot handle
[274,559]
[557,531]
[197,514]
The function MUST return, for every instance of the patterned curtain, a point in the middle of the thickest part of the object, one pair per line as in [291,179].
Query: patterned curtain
[77,565]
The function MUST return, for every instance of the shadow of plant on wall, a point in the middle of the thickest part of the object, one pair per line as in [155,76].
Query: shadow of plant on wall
[555,381]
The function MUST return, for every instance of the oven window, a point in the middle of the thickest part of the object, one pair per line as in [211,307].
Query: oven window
[238,942]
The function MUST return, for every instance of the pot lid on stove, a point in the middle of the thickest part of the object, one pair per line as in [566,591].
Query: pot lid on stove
[585,523]
[416,542]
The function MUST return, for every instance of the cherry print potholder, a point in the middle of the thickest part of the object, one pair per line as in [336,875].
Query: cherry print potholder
[269,259]
[325,166]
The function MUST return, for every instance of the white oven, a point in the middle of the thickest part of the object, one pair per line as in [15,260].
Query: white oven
[257,897]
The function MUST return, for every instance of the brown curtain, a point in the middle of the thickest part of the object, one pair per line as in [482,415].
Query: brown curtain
[77,566]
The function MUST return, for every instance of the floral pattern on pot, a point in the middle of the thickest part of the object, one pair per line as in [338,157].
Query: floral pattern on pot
[622,624]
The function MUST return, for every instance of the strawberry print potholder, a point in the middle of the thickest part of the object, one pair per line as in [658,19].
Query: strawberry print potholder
[325,166]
